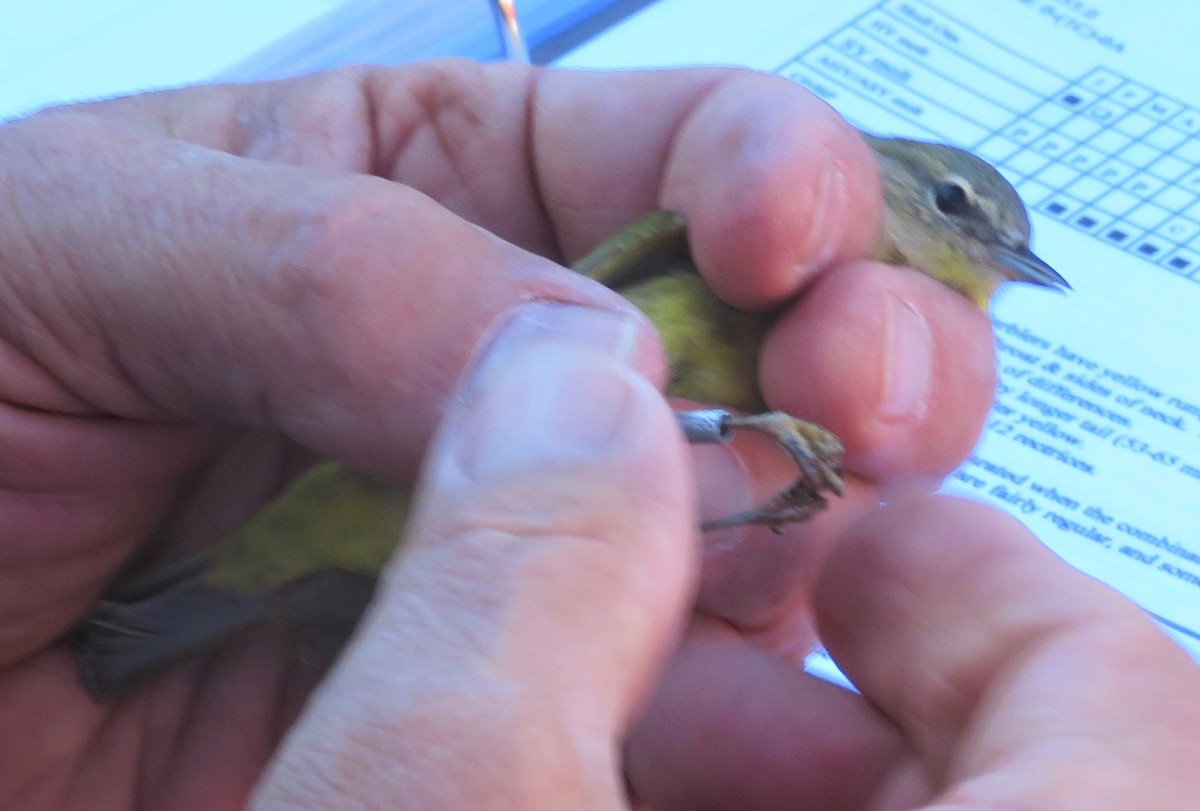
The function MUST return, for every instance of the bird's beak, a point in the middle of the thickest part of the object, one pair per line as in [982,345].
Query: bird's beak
[1022,265]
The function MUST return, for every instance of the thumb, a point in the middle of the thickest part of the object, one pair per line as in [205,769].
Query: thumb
[547,570]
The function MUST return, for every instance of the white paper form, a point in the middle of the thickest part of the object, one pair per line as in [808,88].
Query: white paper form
[1092,109]
[56,51]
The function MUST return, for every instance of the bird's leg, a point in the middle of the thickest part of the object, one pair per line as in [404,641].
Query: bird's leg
[816,452]
[656,246]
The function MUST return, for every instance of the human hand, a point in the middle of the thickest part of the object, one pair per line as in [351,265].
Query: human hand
[202,289]
[546,578]
[993,675]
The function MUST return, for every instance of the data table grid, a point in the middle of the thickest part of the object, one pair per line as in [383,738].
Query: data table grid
[1133,183]
[1109,157]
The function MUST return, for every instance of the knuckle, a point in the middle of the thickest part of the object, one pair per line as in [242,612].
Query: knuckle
[448,126]
[324,258]
[317,120]
[333,275]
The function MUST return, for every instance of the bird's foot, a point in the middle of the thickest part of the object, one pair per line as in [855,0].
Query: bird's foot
[815,451]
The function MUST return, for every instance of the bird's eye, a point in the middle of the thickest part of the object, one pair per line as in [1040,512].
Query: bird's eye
[951,198]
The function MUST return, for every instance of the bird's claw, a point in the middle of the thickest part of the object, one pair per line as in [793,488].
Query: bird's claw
[815,451]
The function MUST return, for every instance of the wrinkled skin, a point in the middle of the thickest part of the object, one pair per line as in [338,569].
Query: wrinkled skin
[201,290]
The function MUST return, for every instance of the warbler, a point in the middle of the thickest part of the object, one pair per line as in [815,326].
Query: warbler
[312,555]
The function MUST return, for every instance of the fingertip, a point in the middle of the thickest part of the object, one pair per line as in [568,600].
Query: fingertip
[897,365]
[943,590]
[908,566]
[972,636]
[558,478]
[903,532]
[774,184]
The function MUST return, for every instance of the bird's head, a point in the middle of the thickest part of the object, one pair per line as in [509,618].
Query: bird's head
[952,216]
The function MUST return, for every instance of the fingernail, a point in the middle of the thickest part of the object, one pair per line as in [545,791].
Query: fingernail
[908,361]
[827,223]
[554,386]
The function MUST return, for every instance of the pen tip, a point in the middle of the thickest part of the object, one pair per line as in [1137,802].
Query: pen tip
[515,49]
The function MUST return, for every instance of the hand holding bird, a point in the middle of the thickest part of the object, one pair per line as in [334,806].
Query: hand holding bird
[169,369]
[947,214]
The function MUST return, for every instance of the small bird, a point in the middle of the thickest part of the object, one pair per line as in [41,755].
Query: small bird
[311,555]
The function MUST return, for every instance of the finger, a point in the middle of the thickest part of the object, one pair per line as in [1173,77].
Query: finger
[756,577]
[452,129]
[900,367]
[731,727]
[772,181]
[545,575]
[75,494]
[157,279]
[1018,681]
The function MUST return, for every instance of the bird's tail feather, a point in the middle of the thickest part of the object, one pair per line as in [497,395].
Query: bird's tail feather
[121,644]
[128,639]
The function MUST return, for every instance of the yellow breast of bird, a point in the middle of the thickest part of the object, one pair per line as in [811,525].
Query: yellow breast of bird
[713,348]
